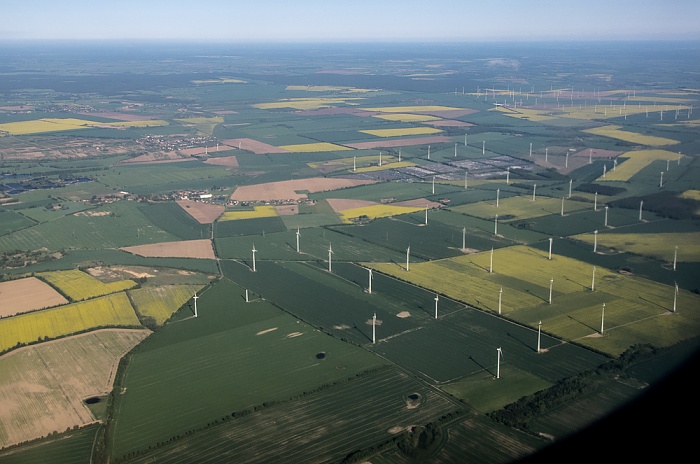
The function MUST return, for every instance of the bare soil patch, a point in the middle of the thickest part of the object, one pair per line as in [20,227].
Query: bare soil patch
[253,145]
[290,189]
[403,142]
[262,332]
[422,202]
[341,204]
[120,116]
[223,161]
[287,210]
[202,249]
[204,213]
[403,314]
[28,294]
[598,153]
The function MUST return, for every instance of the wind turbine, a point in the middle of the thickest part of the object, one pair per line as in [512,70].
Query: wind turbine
[433,185]
[661,181]
[546,154]
[491,262]
[499,354]
[495,225]
[483,147]
[571,182]
[602,319]
[508,175]
[374,330]
[330,252]
[354,163]
[254,251]
[500,297]
[551,284]
[595,201]
[534,190]
[530,149]
[246,296]
[408,254]
[399,155]
[675,256]
[465,180]
[380,159]
[595,241]
[641,203]
[498,194]
[539,333]
[195,297]
[562,206]
[593,280]
[455,150]
[464,238]
[437,298]
[298,235]
[370,281]
[551,239]
[675,296]
[426,215]
[428,151]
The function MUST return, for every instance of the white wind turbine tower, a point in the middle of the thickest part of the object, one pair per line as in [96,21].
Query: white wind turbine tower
[593,280]
[246,296]
[298,235]
[408,255]
[483,147]
[464,238]
[534,190]
[500,298]
[551,239]
[495,225]
[370,281]
[530,149]
[595,202]
[491,262]
[562,206]
[499,354]
[426,215]
[399,155]
[539,333]
[354,163]
[380,159]
[374,329]
[590,155]
[195,297]
[602,319]
[641,203]
[428,151]
[330,253]
[437,298]
[508,175]
[455,150]
[254,251]
[606,216]
[675,296]
[465,180]
[498,194]
[546,154]
[675,257]
[571,183]
[595,241]
[433,185]
[551,284]
[661,181]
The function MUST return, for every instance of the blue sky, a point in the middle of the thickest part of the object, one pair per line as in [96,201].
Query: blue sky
[351,20]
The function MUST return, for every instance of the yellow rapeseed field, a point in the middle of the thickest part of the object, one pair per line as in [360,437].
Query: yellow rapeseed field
[376,211]
[661,246]
[107,311]
[258,212]
[314,147]
[161,302]
[615,133]
[38,126]
[635,161]
[691,194]
[78,285]
[386,165]
[402,131]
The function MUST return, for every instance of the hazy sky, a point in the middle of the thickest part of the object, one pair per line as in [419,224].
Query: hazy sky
[351,20]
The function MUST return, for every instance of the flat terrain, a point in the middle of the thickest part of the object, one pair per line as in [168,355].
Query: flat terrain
[28,294]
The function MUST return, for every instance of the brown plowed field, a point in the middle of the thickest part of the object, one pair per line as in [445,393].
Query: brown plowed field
[204,213]
[185,249]
[29,294]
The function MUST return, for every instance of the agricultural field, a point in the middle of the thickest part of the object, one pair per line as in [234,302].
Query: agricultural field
[60,375]
[78,285]
[416,302]
[113,310]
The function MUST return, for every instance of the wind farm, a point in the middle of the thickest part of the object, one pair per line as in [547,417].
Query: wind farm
[349,305]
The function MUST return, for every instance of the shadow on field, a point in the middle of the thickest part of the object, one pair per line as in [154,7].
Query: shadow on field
[481,366]
[582,323]
[525,344]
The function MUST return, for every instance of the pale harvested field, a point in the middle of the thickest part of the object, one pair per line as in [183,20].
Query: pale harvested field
[403,142]
[29,294]
[253,145]
[43,386]
[293,189]
[184,249]
[223,161]
[340,204]
[204,213]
